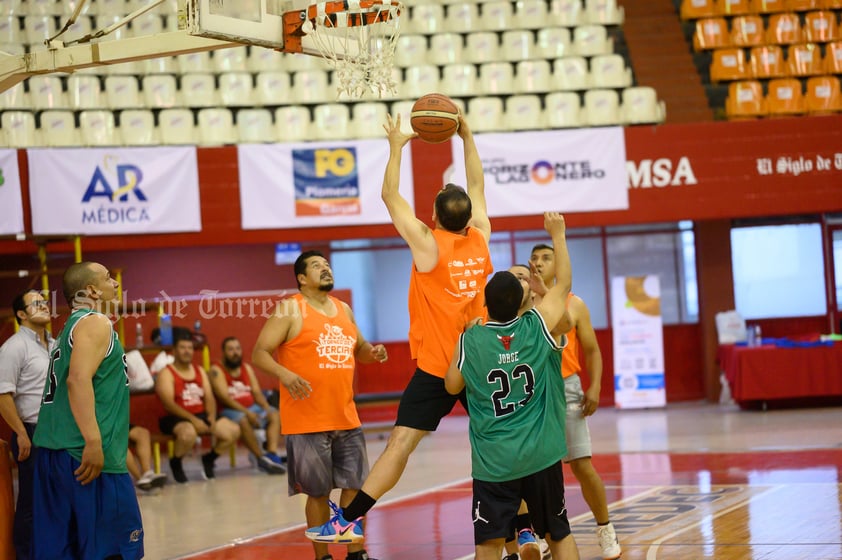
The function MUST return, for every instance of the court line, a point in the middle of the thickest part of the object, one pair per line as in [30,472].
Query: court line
[652,552]
[301,526]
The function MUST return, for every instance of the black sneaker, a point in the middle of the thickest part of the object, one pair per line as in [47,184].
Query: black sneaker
[177,470]
[326,557]
[512,556]
[208,466]
[361,555]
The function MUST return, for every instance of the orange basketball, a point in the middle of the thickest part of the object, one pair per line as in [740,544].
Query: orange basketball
[435,117]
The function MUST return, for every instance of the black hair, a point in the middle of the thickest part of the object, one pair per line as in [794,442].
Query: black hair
[453,208]
[226,340]
[541,247]
[179,334]
[19,303]
[503,296]
[300,266]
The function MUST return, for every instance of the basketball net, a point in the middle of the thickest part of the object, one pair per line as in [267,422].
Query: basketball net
[358,39]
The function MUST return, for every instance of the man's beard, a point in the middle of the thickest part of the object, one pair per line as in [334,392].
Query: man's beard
[233,363]
[326,287]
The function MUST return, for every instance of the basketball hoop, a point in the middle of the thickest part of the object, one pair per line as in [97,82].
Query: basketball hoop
[357,37]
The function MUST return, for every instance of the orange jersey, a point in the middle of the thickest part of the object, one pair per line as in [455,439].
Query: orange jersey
[444,299]
[323,354]
[570,357]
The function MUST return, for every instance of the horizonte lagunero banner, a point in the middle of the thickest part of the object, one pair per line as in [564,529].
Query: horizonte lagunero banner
[529,173]
[112,191]
[11,205]
[638,333]
[316,184]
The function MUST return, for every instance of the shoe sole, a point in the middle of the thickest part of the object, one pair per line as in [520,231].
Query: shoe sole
[159,482]
[146,486]
[530,551]
[335,539]
[613,557]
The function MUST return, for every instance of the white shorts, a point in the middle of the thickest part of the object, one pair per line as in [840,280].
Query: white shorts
[576,425]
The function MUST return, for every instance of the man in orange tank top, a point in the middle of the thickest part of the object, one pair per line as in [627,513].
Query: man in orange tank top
[318,344]
[451,263]
[578,436]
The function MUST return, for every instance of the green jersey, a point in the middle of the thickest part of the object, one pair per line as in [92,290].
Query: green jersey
[515,394]
[57,428]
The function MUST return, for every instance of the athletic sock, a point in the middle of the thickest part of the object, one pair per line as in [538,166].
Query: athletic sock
[359,506]
[522,522]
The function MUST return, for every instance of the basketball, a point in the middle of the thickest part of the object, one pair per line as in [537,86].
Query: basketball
[435,117]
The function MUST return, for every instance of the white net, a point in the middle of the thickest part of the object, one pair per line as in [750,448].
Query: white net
[359,43]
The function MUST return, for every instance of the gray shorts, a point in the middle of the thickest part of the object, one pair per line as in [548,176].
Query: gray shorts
[576,427]
[319,462]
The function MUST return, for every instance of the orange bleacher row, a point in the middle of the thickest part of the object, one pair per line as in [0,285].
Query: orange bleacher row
[768,62]
[784,97]
[782,29]
[695,9]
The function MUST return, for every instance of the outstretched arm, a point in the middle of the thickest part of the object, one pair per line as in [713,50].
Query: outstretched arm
[553,306]
[476,181]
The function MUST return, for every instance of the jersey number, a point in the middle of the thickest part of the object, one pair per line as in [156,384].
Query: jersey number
[51,376]
[501,377]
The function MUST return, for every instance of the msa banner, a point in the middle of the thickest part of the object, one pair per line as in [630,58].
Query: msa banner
[11,204]
[529,173]
[316,184]
[112,191]
[638,337]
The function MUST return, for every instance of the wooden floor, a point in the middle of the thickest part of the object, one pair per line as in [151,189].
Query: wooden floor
[686,482]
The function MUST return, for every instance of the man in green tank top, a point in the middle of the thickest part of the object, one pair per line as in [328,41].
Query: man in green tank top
[84,500]
[510,368]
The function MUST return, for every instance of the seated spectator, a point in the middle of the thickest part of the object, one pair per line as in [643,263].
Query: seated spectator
[185,392]
[139,463]
[238,392]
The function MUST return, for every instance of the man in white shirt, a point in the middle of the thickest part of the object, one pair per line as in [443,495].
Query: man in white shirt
[24,363]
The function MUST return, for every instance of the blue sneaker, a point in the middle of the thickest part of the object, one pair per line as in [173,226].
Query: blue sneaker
[338,530]
[528,547]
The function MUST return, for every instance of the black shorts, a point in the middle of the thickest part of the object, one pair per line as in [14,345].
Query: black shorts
[167,423]
[495,505]
[425,402]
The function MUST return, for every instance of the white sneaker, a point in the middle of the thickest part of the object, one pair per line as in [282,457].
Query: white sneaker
[145,481]
[608,542]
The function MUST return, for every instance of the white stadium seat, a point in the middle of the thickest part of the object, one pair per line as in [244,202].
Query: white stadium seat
[462,18]
[563,110]
[602,107]
[216,126]
[410,50]
[641,105]
[235,89]
[459,80]
[420,80]
[97,128]
[367,120]
[137,128]
[497,15]
[292,123]
[311,86]
[485,114]
[331,121]
[445,48]
[198,90]
[591,40]
[553,42]
[19,127]
[85,92]
[517,45]
[570,73]
[159,92]
[523,112]
[531,14]
[496,78]
[481,47]
[58,128]
[255,126]
[609,71]
[273,88]
[122,92]
[176,126]
[14,98]
[46,92]
[533,76]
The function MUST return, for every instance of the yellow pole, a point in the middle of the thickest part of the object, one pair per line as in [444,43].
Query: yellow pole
[77,249]
[45,278]
[206,357]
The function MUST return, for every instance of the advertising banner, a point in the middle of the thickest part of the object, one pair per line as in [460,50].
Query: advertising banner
[113,191]
[11,204]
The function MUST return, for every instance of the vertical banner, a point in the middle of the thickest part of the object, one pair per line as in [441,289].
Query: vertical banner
[638,338]
[11,204]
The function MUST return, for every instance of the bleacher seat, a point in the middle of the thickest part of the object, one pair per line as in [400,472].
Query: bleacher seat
[236,89]
[570,73]
[19,127]
[196,62]
[711,33]
[332,121]
[591,40]
[273,88]
[459,80]
[367,120]
[404,109]
[767,62]
[566,13]
[727,65]
[783,29]
[311,86]
[823,95]
[411,50]
[107,20]
[46,92]
[160,65]
[495,78]
[602,107]
[553,42]
[696,9]
[531,14]
[137,128]
[198,90]
[146,25]
[10,32]
[821,27]
[255,126]
[427,19]
[420,80]
[609,71]
[462,17]
[11,7]
[58,128]
[84,92]
[42,7]
[216,127]
[176,126]
[517,45]
[81,27]
[97,128]
[733,7]
[292,123]
[604,12]
[802,5]
[804,60]
[122,92]
[261,59]
[833,58]
[296,63]
[445,48]
[767,6]
[120,7]
[640,105]
[482,47]
[229,60]
[523,112]
[745,100]
[831,4]
[14,98]
[37,29]
[563,110]
[747,31]
[533,76]
[784,97]
[485,114]
[160,92]
[496,15]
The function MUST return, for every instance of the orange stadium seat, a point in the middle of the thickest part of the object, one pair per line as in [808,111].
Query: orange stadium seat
[747,31]
[767,6]
[820,27]
[823,95]
[767,62]
[733,7]
[804,60]
[831,4]
[711,33]
[695,9]
[802,5]
[783,29]
[784,97]
[833,58]
[728,65]
[745,100]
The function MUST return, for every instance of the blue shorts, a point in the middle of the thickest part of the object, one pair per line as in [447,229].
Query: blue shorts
[71,521]
[237,415]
